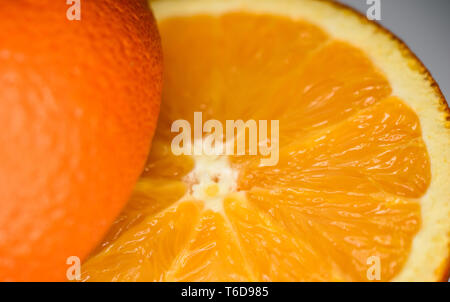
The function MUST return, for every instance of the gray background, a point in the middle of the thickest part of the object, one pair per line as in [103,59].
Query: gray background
[424,25]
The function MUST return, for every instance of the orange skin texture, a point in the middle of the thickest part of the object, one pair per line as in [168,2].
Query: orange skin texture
[79,102]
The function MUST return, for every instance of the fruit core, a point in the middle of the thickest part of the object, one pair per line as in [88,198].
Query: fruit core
[211,180]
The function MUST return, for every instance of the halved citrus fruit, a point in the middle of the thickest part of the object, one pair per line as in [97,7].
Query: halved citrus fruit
[363,165]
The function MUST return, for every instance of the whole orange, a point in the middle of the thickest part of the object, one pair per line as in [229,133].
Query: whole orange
[79,101]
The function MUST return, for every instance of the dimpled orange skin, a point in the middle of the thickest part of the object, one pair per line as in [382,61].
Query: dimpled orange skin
[78,107]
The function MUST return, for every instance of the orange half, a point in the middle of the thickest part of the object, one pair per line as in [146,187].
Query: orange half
[360,191]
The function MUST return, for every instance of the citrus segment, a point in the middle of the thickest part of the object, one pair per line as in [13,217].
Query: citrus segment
[274,254]
[382,144]
[348,227]
[146,251]
[212,254]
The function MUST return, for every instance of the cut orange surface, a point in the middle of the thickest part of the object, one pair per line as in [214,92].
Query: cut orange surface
[363,165]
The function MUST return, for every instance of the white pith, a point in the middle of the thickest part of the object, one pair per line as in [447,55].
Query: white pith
[211,171]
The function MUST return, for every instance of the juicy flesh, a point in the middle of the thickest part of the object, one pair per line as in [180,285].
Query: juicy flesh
[347,187]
